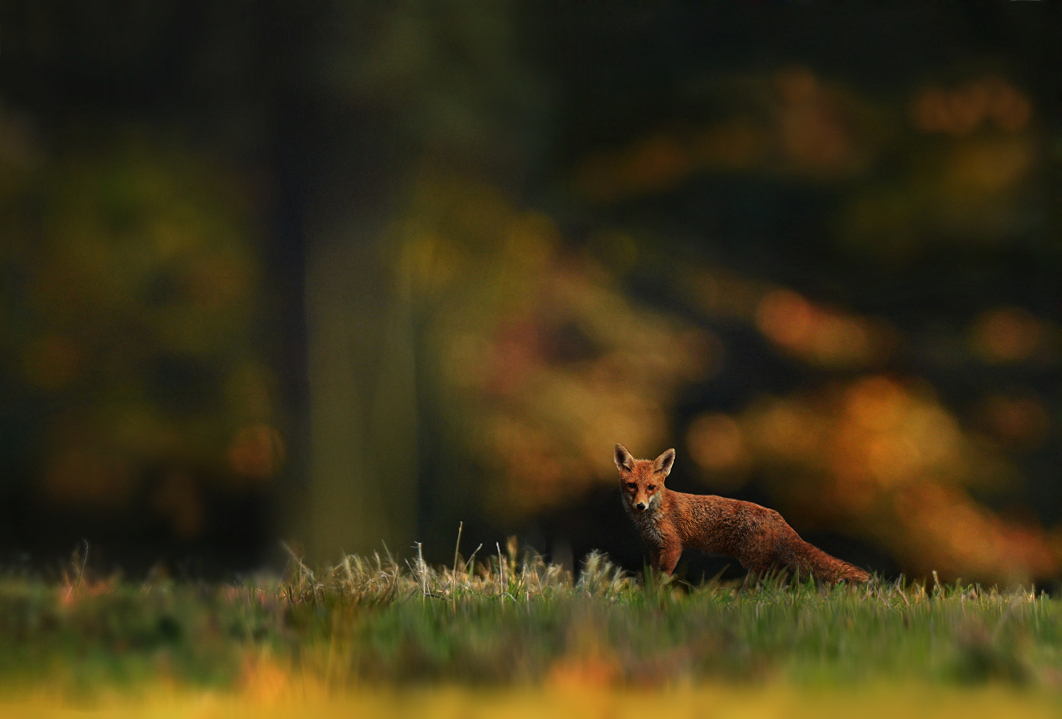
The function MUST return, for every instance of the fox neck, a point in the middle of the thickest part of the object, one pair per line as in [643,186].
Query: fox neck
[647,521]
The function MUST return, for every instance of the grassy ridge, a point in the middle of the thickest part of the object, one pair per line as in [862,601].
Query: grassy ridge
[528,622]
[505,623]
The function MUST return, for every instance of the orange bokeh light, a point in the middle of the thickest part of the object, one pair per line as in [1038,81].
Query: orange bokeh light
[1008,334]
[961,110]
[256,452]
[716,442]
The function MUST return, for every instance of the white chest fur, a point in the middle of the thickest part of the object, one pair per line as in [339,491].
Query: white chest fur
[646,522]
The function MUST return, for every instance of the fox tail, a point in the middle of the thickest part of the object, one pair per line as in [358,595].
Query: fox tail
[808,560]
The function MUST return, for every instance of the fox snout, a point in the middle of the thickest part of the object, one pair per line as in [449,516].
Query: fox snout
[641,506]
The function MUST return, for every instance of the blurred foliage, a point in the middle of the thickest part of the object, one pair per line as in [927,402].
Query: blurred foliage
[131,332]
[556,346]
[816,251]
[535,346]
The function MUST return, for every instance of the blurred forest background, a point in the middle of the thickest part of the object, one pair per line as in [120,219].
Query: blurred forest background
[350,273]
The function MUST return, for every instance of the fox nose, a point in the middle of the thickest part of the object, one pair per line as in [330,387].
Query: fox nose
[640,506]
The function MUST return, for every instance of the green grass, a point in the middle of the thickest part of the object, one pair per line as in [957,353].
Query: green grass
[503,623]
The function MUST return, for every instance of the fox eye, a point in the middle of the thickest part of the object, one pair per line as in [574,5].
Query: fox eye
[632,486]
[651,487]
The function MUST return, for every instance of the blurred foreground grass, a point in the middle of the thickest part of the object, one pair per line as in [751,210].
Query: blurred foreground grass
[589,703]
[521,636]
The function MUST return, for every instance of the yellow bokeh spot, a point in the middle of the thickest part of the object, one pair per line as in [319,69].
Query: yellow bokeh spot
[716,442]
[877,403]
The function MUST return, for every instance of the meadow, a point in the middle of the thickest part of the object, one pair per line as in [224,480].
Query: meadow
[517,636]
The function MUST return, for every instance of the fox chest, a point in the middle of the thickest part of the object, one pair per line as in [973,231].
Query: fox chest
[648,524]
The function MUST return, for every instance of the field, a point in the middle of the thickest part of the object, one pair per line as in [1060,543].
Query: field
[519,637]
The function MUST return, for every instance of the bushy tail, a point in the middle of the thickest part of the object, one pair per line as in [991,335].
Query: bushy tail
[808,560]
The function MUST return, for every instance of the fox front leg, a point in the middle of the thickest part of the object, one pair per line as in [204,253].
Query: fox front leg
[666,557]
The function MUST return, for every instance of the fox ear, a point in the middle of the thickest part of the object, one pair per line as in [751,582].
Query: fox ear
[663,462]
[624,460]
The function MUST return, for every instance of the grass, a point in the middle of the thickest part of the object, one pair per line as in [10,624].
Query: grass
[591,703]
[504,627]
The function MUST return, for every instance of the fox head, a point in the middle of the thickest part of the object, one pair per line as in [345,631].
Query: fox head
[642,481]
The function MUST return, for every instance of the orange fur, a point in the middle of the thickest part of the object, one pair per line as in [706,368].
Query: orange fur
[756,536]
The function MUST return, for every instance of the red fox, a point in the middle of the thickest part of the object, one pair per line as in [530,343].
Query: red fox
[756,536]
